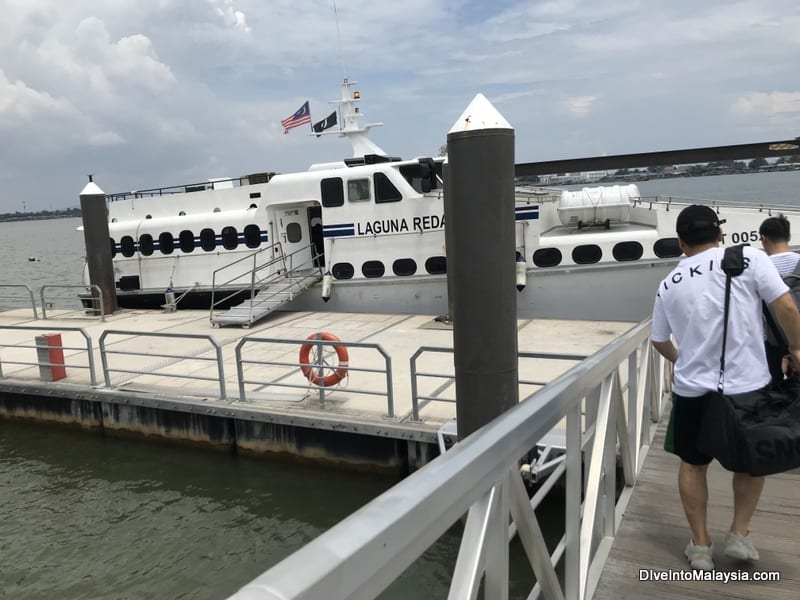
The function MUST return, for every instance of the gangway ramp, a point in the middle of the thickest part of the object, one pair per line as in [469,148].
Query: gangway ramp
[257,284]
[269,298]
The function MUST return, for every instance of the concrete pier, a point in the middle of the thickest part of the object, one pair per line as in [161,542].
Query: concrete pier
[178,399]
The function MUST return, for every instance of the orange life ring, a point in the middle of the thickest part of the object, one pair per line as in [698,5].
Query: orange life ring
[310,370]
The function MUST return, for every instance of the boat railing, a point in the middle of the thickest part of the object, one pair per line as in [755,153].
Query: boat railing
[428,380]
[682,201]
[610,400]
[179,189]
[16,341]
[17,300]
[324,359]
[164,360]
[96,299]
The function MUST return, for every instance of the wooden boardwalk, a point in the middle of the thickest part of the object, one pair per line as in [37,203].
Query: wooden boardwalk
[654,533]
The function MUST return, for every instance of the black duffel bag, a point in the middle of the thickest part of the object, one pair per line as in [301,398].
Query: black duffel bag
[756,432]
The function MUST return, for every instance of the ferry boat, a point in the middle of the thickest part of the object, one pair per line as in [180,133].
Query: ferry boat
[366,234]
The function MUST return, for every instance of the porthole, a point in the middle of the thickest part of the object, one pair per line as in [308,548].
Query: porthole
[127,246]
[166,243]
[436,265]
[182,214]
[294,233]
[343,270]
[230,239]
[186,241]
[252,236]
[207,240]
[146,244]
[587,254]
[113,247]
[148,216]
[625,251]
[217,209]
[372,269]
[403,267]
[667,248]
[114,219]
[547,257]
[253,205]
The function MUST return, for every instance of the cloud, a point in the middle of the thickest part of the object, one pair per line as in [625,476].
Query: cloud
[152,93]
[232,17]
[768,104]
[578,106]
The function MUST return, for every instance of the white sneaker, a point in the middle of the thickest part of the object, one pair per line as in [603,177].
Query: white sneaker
[700,556]
[740,547]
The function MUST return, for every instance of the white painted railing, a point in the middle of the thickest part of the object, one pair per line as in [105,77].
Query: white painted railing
[609,402]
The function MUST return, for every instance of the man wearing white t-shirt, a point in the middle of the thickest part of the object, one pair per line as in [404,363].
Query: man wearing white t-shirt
[689,306]
[775,235]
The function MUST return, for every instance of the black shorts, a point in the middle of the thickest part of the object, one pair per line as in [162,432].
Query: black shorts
[683,429]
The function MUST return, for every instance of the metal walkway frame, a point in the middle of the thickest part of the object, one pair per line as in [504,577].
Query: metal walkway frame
[620,391]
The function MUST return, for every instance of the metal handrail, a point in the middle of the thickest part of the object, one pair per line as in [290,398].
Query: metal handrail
[256,283]
[87,347]
[174,358]
[416,397]
[321,389]
[30,293]
[362,555]
[97,298]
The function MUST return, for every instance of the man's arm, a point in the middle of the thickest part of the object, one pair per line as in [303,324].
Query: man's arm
[789,320]
[670,352]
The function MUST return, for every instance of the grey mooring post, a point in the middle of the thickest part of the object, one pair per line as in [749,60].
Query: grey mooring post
[479,212]
[98,248]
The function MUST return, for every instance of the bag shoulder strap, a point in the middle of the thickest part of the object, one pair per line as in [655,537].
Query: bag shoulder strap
[733,266]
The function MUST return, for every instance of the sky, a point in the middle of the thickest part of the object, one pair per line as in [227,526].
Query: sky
[153,93]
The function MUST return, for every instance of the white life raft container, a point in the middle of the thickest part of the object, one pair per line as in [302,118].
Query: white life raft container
[597,205]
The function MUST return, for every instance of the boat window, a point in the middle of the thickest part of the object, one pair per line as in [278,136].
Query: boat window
[113,247]
[332,191]
[385,190]
[229,238]
[186,240]
[587,255]
[404,267]
[358,190]
[166,242]
[127,245]
[422,176]
[373,268]
[252,236]
[343,270]
[547,257]
[667,248]
[294,233]
[436,265]
[207,239]
[628,251]
[146,244]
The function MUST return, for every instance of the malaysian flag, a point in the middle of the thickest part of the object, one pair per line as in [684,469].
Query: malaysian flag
[301,116]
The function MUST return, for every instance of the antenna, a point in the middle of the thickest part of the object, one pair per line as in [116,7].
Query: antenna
[339,35]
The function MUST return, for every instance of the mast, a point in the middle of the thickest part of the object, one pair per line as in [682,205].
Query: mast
[350,126]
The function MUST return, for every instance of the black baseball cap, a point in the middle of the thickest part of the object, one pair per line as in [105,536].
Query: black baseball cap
[697,218]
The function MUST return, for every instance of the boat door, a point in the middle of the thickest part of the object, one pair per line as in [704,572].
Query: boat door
[294,234]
